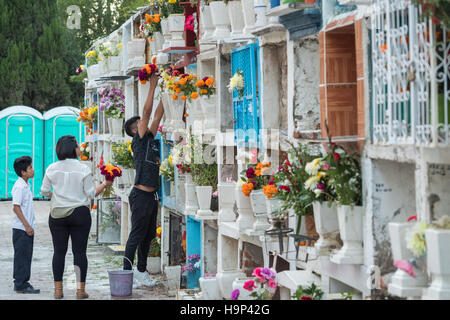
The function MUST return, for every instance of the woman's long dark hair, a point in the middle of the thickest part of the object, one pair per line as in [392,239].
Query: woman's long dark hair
[66,148]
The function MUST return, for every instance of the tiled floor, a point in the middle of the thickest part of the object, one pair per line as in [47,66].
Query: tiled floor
[100,260]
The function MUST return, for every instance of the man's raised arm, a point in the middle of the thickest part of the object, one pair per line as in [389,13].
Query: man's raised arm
[148,107]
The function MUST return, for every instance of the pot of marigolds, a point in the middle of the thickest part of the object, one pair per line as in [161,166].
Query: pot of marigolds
[205,177]
[154,255]
[345,179]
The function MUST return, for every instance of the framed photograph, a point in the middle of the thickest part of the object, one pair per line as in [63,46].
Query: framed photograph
[109,211]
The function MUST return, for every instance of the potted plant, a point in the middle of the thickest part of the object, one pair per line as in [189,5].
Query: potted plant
[249,16]
[220,19]
[345,182]
[89,116]
[208,101]
[437,238]
[173,12]
[167,170]
[110,52]
[93,69]
[154,255]
[123,157]
[309,293]
[85,155]
[205,177]
[261,287]
[152,30]
[112,102]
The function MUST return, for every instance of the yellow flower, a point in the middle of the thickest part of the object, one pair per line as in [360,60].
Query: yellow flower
[129,149]
[158,231]
[120,46]
[172,1]
[170,160]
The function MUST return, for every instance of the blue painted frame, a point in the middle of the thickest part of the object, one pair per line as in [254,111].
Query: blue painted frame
[193,246]
[166,199]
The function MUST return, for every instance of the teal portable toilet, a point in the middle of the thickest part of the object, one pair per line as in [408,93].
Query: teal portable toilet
[59,122]
[22,134]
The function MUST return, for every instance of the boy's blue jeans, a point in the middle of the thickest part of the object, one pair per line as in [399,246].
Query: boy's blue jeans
[23,253]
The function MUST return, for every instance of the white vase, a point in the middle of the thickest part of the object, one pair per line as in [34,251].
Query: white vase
[258,201]
[113,65]
[207,24]
[236,15]
[191,204]
[158,39]
[204,194]
[402,284]
[238,284]
[177,112]
[245,219]
[139,47]
[220,19]
[167,105]
[173,275]
[225,280]
[115,126]
[154,265]
[152,45]
[176,29]
[438,264]
[351,230]
[327,226]
[208,106]
[260,7]
[103,68]
[249,15]
[94,72]
[273,207]
[226,201]
[166,33]
[210,288]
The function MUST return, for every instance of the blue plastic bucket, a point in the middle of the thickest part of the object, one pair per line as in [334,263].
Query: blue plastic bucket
[121,283]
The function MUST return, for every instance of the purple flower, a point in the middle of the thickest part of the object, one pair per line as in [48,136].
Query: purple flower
[321,186]
[267,273]
[235,294]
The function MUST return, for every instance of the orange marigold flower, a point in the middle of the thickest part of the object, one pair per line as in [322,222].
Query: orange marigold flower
[259,165]
[209,82]
[156,18]
[186,115]
[247,189]
[258,172]
[194,95]
[200,83]
[147,17]
[269,190]
[183,98]
[154,60]
[183,81]
[178,90]
[143,82]
[174,97]
[203,91]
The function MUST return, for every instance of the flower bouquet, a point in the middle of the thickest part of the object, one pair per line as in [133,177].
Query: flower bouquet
[205,86]
[151,25]
[108,49]
[89,116]
[110,172]
[85,152]
[112,102]
[146,72]
[237,83]
[122,155]
[185,87]
[167,170]
[264,283]
[93,58]
[255,177]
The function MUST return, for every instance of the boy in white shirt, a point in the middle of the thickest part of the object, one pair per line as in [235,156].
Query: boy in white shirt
[23,225]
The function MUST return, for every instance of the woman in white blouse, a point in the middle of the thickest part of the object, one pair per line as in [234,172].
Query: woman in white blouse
[73,190]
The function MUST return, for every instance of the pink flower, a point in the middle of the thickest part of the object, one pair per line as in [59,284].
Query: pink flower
[249,285]
[272,284]
[257,272]
[285,188]
[321,186]
[414,217]
[326,166]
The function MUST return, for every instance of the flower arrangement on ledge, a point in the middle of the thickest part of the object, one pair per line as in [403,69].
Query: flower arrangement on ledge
[85,152]
[112,102]
[89,117]
[167,169]
[192,265]
[151,25]
[122,155]
[265,277]
[81,74]
[184,87]
[93,58]
[255,177]
[108,49]
[309,293]
[206,86]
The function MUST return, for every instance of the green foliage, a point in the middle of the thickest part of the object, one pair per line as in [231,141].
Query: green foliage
[313,292]
[155,247]
[347,295]
[439,10]
[122,156]
[205,175]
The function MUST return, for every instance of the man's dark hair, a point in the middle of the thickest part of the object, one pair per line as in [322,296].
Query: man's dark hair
[131,124]
[22,164]
[66,148]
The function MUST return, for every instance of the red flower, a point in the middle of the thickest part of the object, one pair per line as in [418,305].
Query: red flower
[250,173]
[272,181]
[305,298]
[285,188]
[250,285]
[288,163]
[414,217]
[336,156]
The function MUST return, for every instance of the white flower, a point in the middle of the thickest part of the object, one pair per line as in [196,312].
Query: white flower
[312,182]
[236,82]
[317,192]
[87,149]
[313,167]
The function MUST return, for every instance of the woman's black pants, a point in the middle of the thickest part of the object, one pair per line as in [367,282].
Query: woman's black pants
[77,226]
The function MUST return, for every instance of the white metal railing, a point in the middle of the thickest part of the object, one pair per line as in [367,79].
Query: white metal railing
[411,76]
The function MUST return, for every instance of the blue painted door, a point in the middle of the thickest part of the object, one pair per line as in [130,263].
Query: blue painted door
[246,107]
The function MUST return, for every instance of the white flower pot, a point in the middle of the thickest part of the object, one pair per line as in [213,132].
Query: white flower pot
[246,218]
[225,280]
[351,230]
[210,288]
[236,15]
[438,264]
[191,204]
[103,68]
[173,275]
[208,106]
[172,189]
[154,265]
[115,126]
[206,23]
[260,7]
[152,45]
[220,19]
[249,15]
[402,284]
[327,226]
[204,194]
[258,201]
[273,207]
[94,72]
[177,112]
[176,29]
[168,123]
[113,64]
[226,201]
[238,283]
[158,39]
[166,33]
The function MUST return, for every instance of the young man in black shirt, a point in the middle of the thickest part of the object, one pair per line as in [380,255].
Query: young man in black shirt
[143,198]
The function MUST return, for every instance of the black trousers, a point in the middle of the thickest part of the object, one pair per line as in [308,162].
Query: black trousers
[144,211]
[23,254]
[77,226]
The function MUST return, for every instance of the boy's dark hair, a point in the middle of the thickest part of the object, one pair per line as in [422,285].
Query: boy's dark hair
[22,164]
[66,148]
[131,124]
